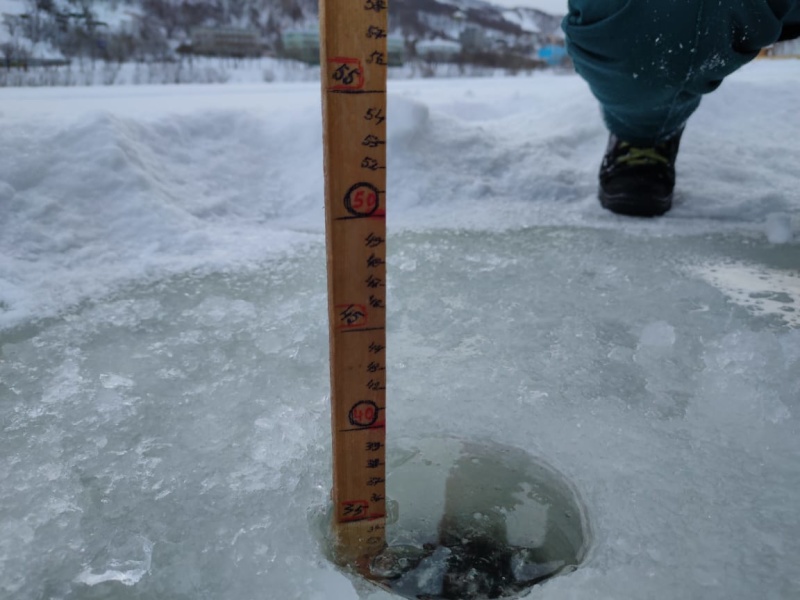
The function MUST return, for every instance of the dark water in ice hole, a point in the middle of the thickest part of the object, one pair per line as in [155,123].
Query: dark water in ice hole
[475,519]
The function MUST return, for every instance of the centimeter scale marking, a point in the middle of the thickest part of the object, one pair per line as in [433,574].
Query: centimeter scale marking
[354,57]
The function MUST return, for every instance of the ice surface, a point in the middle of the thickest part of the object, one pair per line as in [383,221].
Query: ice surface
[657,334]
[778,227]
[191,413]
[126,562]
[163,351]
[763,289]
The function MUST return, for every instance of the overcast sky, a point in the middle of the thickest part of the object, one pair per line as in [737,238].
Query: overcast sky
[554,7]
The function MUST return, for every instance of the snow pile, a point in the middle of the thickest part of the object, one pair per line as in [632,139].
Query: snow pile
[163,349]
[522,18]
[109,197]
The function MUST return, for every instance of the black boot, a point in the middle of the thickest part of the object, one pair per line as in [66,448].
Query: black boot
[638,181]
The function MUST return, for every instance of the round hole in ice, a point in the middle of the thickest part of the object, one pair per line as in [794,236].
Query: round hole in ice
[475,519]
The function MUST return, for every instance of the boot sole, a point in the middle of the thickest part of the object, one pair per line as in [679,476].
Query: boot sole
[635,206]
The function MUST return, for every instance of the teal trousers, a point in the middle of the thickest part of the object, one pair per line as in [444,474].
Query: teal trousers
[648,62]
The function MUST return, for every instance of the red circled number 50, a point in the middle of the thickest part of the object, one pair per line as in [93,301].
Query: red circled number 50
[361,199]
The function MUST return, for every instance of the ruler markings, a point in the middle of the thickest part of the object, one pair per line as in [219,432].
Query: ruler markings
[354,113]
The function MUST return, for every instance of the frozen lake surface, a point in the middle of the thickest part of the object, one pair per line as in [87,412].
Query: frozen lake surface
[163,344]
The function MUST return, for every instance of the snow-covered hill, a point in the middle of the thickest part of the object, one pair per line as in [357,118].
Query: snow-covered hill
[128,29]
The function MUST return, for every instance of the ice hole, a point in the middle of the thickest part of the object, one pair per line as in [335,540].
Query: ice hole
[475,519]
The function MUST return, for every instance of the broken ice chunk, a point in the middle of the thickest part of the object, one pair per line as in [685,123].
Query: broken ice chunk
[396,560]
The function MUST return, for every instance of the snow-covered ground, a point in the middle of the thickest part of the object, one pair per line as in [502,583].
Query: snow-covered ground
[163,341]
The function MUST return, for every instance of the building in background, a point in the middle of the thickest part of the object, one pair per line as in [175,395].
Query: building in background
[474,39]
[301,45]
[226,41]
[304,46]
[438,50]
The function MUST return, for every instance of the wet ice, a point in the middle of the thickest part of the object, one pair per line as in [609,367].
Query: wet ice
[191,414]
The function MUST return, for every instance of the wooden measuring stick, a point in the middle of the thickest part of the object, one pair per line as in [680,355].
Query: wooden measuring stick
[353,58]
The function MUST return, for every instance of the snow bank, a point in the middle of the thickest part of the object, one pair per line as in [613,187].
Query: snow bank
[108,185]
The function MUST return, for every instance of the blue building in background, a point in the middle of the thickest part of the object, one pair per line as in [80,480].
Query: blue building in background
[552,54]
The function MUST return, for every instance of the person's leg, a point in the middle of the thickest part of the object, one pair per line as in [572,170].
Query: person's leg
[791,24]
[648,63]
